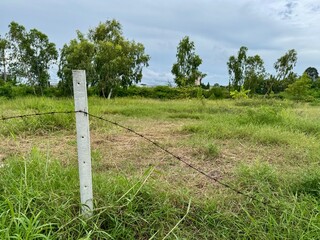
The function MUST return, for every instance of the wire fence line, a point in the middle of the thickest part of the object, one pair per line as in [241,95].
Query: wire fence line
[158,145]
[36,114]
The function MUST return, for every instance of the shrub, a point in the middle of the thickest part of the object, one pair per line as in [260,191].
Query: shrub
[242,94]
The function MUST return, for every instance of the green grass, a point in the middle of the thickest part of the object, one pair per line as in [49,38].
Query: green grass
[267,149]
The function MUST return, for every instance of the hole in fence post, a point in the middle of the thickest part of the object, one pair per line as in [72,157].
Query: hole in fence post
[83,141]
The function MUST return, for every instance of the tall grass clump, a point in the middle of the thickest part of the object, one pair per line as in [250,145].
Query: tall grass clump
[262,116]
[36,124]
[281,213]
[40,200]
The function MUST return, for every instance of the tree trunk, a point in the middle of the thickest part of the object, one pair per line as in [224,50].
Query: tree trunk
[110,93]
[4,66]
[269,90]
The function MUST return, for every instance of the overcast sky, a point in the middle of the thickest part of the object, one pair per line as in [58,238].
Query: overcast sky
[218,28]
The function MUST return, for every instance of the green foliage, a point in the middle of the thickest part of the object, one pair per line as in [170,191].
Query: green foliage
[217,93]
[31,55]
[308,183]
[284,73]
[285,64]
[242,94]
[6,90]
[185,69]
[35,125]
[312,73]
[110,60]
[254,73]
[77,55]
[300,89]
[166,92]
[247,71]
[262,115]
[4,46]
[236,68]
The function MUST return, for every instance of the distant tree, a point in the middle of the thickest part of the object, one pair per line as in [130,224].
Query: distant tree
[246,71]
[77,55]
[285,64]
[4,45]
[31,55]
[236,68]
[284,72]
[118,62]
[312,73]
[299,90]
[254,73]
[186,69]
[110,59]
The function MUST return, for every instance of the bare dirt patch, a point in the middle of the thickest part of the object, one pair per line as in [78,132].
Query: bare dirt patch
[131,155]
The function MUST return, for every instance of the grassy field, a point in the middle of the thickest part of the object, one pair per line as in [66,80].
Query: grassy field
[266,148]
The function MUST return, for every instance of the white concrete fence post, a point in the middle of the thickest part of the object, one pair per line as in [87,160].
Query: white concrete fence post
[83,141]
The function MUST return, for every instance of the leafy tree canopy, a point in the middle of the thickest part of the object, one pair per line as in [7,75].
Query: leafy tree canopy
[299,90]
[236,68]
[4,45]
[246,71]
[109,59]
[285,64]
[31,54]
[185,69]
[312,73]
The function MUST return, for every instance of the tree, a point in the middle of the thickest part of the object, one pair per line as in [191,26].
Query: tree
[118,62]
[31,55]
[236,68]
[312,73]
[284,72]
[254,73]
[4,45]
[77,55]
[299,90]
[285,64]
[110,60]
[185,69]
[246,71]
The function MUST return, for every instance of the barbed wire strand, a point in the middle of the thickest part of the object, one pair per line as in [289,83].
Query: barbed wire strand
[226,185]
[182,160]
[36,114]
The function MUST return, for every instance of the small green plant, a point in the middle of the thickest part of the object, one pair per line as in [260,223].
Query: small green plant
[242,94]
[212,150]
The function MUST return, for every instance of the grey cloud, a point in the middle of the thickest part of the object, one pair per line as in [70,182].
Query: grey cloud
[288,11]
[218,28]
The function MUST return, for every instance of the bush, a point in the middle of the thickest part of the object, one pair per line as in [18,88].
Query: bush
[6,90]
[158,92]
[217,93]
[242,94]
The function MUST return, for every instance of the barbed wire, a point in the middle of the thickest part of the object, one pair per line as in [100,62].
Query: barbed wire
[158,145]
[147,139]
[179,158]
[36,114]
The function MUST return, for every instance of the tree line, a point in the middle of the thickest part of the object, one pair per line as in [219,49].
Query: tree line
[113,62]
